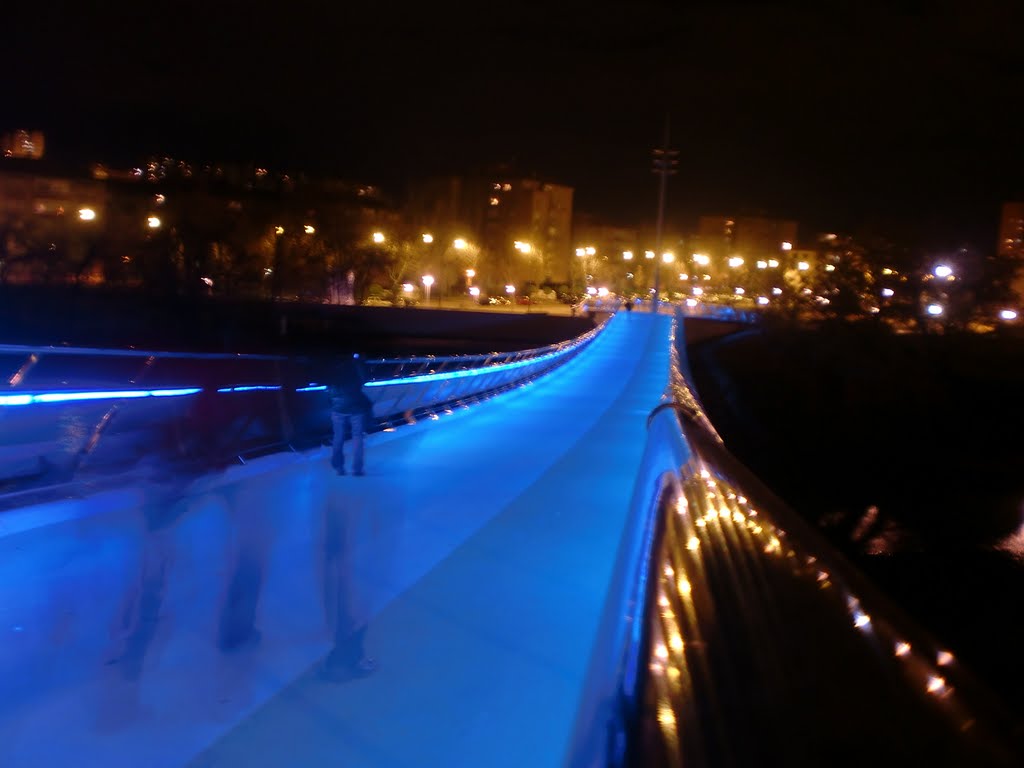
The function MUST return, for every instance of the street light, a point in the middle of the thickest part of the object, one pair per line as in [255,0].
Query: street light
[428,280]
[459,244]
[86,214]
[309,229]
[153,222]
[943,271]
[378,237]
[428,238]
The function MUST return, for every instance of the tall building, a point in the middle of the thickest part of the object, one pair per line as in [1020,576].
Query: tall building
[1011,230]
[26,145]
[521,229]
[1011,241]
[751,252]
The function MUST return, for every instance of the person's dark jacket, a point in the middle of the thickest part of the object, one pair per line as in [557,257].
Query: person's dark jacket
[346,388]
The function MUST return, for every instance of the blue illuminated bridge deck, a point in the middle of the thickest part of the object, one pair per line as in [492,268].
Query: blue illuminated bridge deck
[479,548]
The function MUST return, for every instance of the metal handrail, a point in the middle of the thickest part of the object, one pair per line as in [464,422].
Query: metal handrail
[211,409]
[736,635]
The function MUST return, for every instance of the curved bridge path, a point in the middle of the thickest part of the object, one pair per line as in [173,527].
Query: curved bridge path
[478,551]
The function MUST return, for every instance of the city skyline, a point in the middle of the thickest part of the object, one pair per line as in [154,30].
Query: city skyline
[897,118]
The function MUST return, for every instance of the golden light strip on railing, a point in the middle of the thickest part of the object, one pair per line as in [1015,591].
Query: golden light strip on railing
[712,516]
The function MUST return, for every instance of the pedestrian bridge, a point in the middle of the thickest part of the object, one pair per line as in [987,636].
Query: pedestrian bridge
[552,560]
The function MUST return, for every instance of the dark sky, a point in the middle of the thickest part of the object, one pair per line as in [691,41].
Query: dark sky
[905,117]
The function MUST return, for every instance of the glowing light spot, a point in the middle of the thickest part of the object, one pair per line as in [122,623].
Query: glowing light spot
[675,642]
[669,571]
[693,544]
[936,684]
[666,717]
[684,587]
[661,651]
[944,658]
[861,620]
[902,649]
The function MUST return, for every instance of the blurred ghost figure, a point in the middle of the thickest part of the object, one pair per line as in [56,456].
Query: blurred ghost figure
[346,533]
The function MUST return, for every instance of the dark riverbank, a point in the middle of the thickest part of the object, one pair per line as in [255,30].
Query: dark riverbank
[907,452]
[78,316]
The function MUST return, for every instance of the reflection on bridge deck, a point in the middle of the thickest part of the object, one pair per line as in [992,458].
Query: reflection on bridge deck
[163,625]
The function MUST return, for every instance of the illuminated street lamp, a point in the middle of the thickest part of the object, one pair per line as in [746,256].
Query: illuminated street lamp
[309,229]
[934,310]
[736,261]
[523,247]
[378,237]
[1007,314]
[459,244]
[428,238]
[278,230]
[428,280]
[943,271]
[668,257]
[627,255]
[153,222]
[86,214]
[787,246]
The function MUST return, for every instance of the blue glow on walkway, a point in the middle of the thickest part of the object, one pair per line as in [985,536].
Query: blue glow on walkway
[477,551]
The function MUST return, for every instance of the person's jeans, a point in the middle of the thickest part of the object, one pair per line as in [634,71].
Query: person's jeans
[348,426]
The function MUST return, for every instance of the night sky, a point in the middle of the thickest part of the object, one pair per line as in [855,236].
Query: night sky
[903,118]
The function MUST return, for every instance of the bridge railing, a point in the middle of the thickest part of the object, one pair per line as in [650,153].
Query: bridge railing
[687,307]
[736,635]
[71,415]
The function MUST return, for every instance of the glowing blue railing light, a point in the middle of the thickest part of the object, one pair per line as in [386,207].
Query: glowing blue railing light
[174,392]
[252,388]
[462,374]
[313,388]
[15,399]
[29,398]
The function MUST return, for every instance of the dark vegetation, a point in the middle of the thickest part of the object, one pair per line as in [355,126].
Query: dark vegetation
[927,429]
[99,317]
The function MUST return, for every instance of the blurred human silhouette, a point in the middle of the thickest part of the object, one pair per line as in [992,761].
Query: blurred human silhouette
[247,557]
[351,411]
[139,617]
[346,531]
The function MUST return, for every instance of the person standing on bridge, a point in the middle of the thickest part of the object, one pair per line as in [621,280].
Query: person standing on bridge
[351,411]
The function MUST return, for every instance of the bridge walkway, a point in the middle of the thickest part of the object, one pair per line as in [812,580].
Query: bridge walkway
[478,551]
